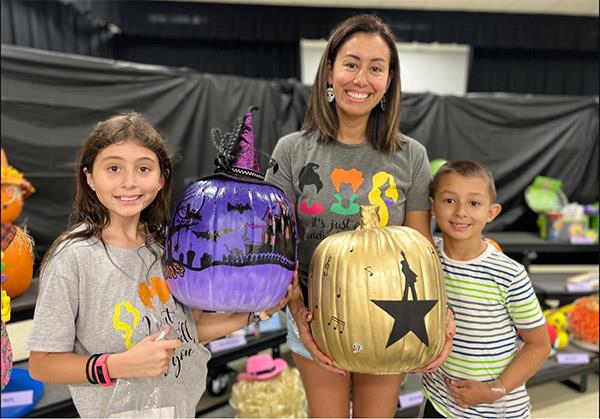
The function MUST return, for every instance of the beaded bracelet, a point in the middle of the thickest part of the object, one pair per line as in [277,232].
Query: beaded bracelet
[497,388]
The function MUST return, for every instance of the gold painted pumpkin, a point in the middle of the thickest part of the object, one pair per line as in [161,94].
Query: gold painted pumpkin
[378,298]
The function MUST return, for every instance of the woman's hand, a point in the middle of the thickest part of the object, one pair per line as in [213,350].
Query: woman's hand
[303,316]
[468,393]
[446,349]
[150,357]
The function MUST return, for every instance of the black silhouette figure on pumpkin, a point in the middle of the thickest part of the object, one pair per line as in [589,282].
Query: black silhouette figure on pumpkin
[410,278]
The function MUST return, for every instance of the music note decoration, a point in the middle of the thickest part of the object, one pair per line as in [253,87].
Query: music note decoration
[327,265]
[357,347]
[337,324]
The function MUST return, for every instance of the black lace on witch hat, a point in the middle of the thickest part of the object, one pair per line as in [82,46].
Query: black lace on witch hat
[236,150]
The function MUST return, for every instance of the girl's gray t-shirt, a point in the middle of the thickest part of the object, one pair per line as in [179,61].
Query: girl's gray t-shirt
[327,184]
[91,301]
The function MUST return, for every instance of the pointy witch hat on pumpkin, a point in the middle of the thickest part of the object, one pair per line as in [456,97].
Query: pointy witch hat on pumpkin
[237,156]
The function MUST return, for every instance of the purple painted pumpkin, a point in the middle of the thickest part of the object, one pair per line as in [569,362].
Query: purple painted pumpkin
[232,240]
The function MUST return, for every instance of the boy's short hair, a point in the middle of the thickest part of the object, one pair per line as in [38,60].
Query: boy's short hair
[464,168]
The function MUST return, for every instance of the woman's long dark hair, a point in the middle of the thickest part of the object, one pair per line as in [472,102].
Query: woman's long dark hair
[89,217]
[383,126]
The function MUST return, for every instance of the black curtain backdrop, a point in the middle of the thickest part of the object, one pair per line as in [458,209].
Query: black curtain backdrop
[54,26]
[257,59]
[552,72]
[525,53]
[50,103]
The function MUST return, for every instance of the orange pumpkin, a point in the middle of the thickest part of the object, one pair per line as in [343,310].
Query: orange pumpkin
[18,260]
[12,203]
[583,319]
[15,188]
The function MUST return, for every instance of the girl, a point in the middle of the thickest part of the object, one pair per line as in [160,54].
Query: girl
[350,152]
[102,289]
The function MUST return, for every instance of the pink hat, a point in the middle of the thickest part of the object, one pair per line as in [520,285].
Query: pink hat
[262,367]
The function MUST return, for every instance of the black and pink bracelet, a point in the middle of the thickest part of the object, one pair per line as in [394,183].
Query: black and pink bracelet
[98,372]
[91,360]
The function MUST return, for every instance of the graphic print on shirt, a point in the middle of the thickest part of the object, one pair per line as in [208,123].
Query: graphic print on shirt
[382,179]
[124,327]
[156,296]
[158,288]
[383,193]
[308,176]
[340,177]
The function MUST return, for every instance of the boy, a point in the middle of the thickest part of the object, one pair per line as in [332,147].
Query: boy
[491,294]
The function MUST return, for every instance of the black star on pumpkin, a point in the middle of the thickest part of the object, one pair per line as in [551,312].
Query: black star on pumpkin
[409,316]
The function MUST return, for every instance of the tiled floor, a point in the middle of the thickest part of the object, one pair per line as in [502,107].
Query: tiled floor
[555,400]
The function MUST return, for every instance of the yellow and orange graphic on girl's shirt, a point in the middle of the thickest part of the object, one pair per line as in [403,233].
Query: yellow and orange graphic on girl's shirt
[134,324]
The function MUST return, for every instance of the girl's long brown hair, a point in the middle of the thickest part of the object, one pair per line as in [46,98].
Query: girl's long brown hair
[383,126]
[89,217]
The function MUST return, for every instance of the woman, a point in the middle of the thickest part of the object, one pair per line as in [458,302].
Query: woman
[350,152]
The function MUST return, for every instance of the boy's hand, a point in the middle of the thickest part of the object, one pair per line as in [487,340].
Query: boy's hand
[468,393]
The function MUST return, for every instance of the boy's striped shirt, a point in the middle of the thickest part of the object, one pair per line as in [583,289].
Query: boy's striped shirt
[491,295]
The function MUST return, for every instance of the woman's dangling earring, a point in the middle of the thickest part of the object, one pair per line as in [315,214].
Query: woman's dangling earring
[330,94]
[383,103]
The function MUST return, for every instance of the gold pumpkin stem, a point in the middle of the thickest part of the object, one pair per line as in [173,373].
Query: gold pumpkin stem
[369,216]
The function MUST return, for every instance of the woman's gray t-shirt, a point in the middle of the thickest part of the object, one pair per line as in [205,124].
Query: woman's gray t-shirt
[327,183]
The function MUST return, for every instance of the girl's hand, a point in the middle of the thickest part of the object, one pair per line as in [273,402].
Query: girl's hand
[286,298]
[446,349]
[302,316]
[468,393]
[148,358]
